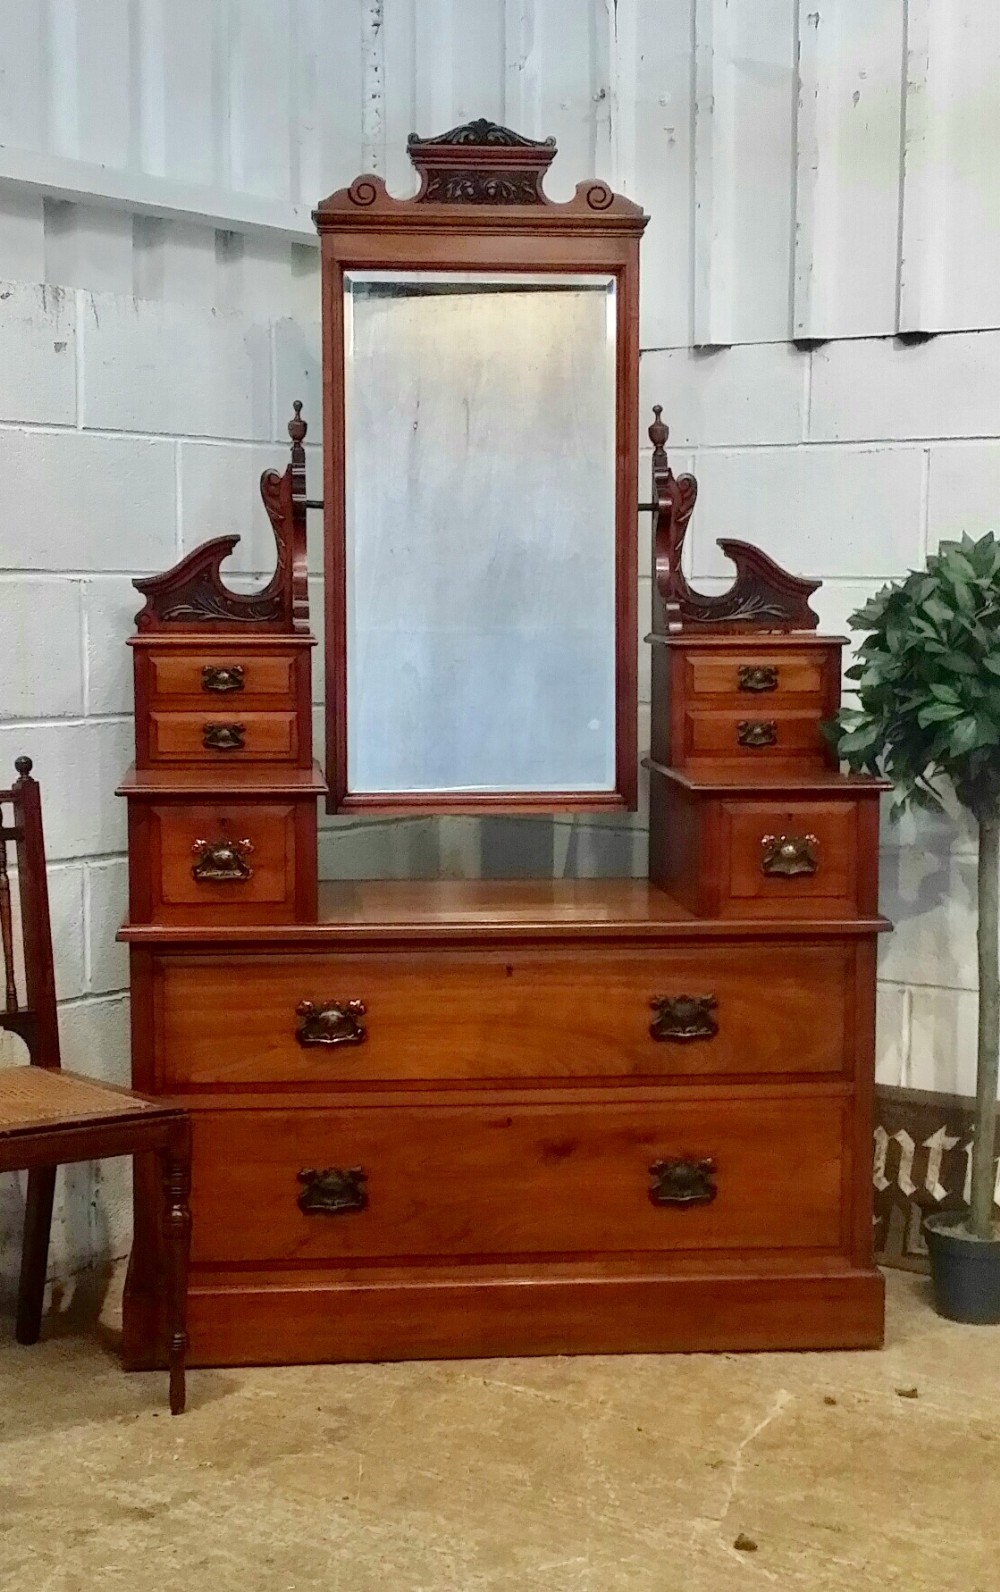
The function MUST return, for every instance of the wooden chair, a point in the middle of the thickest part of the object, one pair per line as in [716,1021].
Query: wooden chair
[49,1117]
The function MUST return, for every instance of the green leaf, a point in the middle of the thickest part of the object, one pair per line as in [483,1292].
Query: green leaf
[944,693]
[963,736]
[937,712]
[961,664]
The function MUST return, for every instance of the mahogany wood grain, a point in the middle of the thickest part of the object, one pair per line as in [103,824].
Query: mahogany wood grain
[707,848]
[517,1014]
[237,1320]
[176,676]
[698,702]
[519,1180]
[363,227]
[270,737]
[277,674]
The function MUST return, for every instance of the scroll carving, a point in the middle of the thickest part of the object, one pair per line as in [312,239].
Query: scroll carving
[485,165]
[681,1017]
[763,596]
[332,1192]
[683,1182]
[193,593]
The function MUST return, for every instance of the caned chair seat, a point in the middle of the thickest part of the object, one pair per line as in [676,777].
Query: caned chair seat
[48,1117]
[36,1097]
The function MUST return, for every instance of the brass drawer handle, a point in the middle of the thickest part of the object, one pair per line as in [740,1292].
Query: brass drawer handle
[788,855]
[222,861]
[217,677]
[330,1023]
[680,1017]
[757,677]
[757,732]
[683,1182]
[333,1192]
[223,737]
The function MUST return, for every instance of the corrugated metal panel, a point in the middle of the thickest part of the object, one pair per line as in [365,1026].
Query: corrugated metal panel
[814,168]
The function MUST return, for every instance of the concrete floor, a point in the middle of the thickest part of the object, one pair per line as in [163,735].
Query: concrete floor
[572,1475]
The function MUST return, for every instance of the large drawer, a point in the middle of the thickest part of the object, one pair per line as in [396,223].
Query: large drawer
[495,1180]
[726,1008]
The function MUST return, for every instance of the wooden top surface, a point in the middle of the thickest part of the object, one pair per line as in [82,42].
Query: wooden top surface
[212,781]
[352,913]
[38,1097]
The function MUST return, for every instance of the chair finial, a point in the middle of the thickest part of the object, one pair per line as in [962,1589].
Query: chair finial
[23,766]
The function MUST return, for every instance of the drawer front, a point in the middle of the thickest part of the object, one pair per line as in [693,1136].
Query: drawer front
[755,736]
[227,735]
[224,676]
[520,1180]
[757,676]
[784,859]
[211,863]
[729,1010]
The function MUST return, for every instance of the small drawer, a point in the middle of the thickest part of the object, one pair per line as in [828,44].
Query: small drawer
[231,675]
[406,1018]
[756,676]
[226,735]
[227,862]
[809,857]
[754,736]
[315,1186]
[790,859]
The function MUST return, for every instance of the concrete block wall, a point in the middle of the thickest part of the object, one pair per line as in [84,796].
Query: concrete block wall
[131,429]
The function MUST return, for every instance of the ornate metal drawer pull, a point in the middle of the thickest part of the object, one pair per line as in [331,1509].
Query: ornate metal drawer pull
[215,677]
[330,1023]
[683,1182]
[222,861]
[333,1192]
[757,732]
[757,677]
[681,1017]
[223,737]
[788,855]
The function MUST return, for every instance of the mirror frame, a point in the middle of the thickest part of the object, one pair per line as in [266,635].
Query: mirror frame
[480,207]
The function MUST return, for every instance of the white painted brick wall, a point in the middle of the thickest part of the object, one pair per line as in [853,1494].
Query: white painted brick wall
[131,430]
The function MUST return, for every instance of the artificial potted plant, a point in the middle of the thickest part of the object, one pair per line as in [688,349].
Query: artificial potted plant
[928,685]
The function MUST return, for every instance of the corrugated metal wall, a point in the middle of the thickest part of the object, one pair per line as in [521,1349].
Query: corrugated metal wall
[793,153]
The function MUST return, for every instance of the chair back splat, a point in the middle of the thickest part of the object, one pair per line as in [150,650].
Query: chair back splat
[33,1018]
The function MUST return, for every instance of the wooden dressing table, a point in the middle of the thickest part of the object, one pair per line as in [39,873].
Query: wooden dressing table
[521,1117]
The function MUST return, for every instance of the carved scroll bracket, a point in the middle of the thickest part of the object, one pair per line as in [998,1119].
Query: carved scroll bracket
[193,594]
[763,596]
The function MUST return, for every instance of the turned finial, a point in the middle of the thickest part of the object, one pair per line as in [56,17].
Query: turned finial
[658,432]
[23,766]
[297,427]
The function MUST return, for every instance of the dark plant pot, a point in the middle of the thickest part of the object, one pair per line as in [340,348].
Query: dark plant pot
[965,1271]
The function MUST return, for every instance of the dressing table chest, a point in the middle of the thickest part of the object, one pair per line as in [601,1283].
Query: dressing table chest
[455,1118]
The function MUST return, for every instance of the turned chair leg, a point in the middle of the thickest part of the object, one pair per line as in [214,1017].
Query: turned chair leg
[176,1165]
[35,1254]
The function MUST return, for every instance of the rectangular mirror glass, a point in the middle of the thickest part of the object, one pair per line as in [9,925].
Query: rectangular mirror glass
[479,423]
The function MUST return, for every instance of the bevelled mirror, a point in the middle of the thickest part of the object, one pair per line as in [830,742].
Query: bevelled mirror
[480,454]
